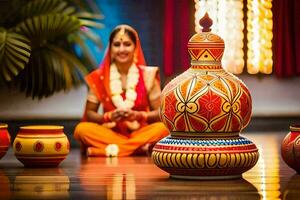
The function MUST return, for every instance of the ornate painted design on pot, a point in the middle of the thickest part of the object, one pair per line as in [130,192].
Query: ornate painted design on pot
[205,108]
[217,157]
[290,148]
[58,146]
[41,146]
[4,139]
[38,146]
[210,102]
[18,146]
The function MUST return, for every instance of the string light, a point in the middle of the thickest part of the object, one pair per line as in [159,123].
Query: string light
[227,16]
[259,36]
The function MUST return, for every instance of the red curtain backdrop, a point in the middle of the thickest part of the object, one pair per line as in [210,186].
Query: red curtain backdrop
[176,36]
[286,30]
[168,38]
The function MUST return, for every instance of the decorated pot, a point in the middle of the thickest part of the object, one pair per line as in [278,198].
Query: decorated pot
[214,158]
[290,148]
[4,139]
[205,108]
[41,146]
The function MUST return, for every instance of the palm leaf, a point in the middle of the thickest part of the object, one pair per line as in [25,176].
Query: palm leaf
[42,7]
[88,15]
[91,35]
[43,59]
[91,23]
[9,15]
[87,55]
[50,70]
[71,59]
[45,27]
[15,51]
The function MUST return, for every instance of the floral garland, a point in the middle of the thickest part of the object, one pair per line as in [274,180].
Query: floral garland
[115,85]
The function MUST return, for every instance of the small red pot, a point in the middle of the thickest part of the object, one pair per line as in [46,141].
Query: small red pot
[290,148]
[4,139]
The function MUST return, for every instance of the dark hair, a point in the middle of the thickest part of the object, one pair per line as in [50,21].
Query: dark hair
[129,32]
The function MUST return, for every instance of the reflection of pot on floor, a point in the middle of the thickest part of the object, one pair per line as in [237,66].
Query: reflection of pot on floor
[292,190]
[226,189]
[41,184]
[5,186]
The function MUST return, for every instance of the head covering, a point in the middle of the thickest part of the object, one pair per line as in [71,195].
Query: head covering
[105,65]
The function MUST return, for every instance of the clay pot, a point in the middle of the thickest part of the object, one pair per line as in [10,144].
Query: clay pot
[290,148]
[205,108]
[41,146]
[4,139]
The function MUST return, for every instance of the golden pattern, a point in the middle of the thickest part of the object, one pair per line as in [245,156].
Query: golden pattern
[205,160]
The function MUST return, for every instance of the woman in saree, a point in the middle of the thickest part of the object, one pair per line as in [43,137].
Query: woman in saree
[129,93]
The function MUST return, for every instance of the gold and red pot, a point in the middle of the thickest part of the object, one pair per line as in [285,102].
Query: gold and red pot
[41,146]
[290,148]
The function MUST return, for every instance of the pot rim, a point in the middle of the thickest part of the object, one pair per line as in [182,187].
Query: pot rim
[3,125]
[42,127]
[295,127]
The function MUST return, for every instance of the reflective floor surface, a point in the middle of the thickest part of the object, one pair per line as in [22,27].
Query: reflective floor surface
[79,177]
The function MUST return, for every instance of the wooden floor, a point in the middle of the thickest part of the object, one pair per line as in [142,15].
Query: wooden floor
[138,178]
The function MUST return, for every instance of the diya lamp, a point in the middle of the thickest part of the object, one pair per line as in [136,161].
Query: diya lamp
[4,139]
[290,148]
[41,146]
[205,108]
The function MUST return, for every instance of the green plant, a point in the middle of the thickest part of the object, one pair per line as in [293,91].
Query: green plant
[37,39]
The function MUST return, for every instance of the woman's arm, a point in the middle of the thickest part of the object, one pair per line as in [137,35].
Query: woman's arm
[154,98]
[92,114]
[150,116]
[153,115]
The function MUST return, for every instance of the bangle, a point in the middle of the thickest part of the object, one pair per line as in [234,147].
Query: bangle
[107,117]
[144,116]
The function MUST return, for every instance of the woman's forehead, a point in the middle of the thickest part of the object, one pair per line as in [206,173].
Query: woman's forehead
[121,36]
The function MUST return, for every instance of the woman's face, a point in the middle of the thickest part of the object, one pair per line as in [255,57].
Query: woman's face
[122,48]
